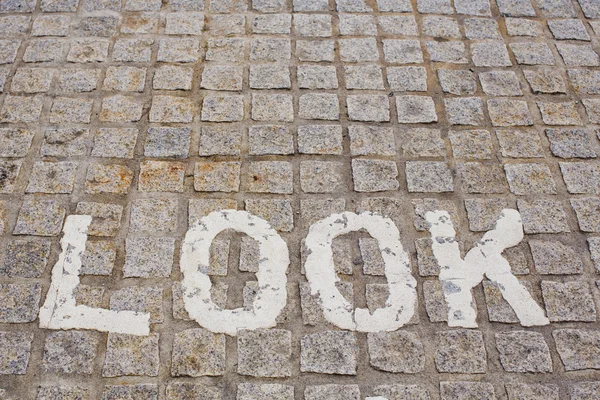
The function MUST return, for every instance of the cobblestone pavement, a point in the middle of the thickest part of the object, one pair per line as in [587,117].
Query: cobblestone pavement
[149,114]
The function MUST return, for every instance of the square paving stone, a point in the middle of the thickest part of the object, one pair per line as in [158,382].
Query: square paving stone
[225,49]
[374,175]
[329,352]
[40,218]
[273,391]
[139,262]
[543,216]
[399,351]
[555,258]
[461,351]
[585,390]
[63,393]
[536,391]
[481,28]
[371,140]
[527,179]
[38,50]
[178,50]
[198,352]
[523,27]
[21,109]
[320,139]
[434,7]
[147,299]
[98,258]
[578,349]
[316,77]
[187,390]
[531,53]
[332,392]
[15,349]
[452,52]
[115,142]
[270,139]
[363,77]
[120,109]
[578,55]
[509,112]
[523,351]
[70,352]
[129,355]
[568,301]
[25,258]
[32,80]
[357,25]
[267,49]
[167,142]
[581,177]
[161,176]
[199,208]
[483,213]
[490,54]
[441,27]
[88,50]
[125,79]
[106,218]
[153,215]
[50,177]
[415,109]
[217,176]
[272,24]
[20,303]
[77,80]
[519,143]
[222,108]
[324,106]
[474,144]
[545,80]
[464,111]
[171,109]
[500,83]
[398,24]
[407,79]
[133,50]
[459,82]
[428,177]
[498,308]
[314,210]
[373,263]
[272,107]
[171,77]
[184,23]
[135,392]
[568,29]
[402,392]
[592,109]
[359,50]
[264,353]
[15,142]
[220,140]
[266,76]
[277,212]
[402,51]
[428,265]
[570,143]
[67,142]
[322,176]
[374,108]
[101,178]
[270,177]
[318,25]
[559,113]
[586,210]
[422,206]
[463,390]
[316,50]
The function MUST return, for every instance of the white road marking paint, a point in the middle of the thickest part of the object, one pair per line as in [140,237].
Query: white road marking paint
[273,263]
[459,276]
[60,310]
[321,275]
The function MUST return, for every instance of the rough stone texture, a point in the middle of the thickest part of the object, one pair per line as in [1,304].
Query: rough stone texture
[198,352]
[128,355]
[569,301]
[460,351]
[398,351]
[522,351]
[70,352]
[578,349]
[264,353]
[329,352]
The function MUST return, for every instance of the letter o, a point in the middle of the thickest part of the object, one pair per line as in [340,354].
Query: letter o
[321,275]
[273,263]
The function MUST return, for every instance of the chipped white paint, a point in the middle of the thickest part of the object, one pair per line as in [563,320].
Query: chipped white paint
[273,263]
[321,275]
[60,310]
[459,276]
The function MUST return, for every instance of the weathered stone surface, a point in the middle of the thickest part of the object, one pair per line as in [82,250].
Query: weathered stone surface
[578,349]
[523,351]
[329,352]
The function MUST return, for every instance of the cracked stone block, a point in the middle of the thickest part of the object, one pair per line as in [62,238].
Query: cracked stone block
[545,80]
[586,210]
[531,53]
[217,176]
[519,143]
[125,79]
[481,28]
[407,79]
[15,348]
[500,83]
[98,258]
[568,301]
[277,212]
[273,391]
[171,77]
[9,172]
[320,139]
[555,258]
[543,216]
[399,351]
[578,55]
[270,139]
[462,390]
[88,50]
[332,392]
[483,213]
[139,299]
[578,349]
[77,80]
[67,142]
[580,177]
[161,176]
[178,50]
[402,392]
[220,140]
[441,27]
[527,179]
[357,25]
[402,51]
[490,54]
[453,52]
[458,82]
[263,49]
[120,109]
[135,392]
[473,144]
[371,140]
[523,351]
[21,109]
[153,215]
[461,351]
[317,25]
[423,142]
[198,352]
[509,112]
[568,29]
[415,109]
[20,302]
[129,355]
[559,113]
[264,353]
[464,111]
[139,262]
[322,176]
[25,258]
[570,143]
[70,352]
[270,177]
[497,307]
[225,49]
[329,352]
[187,390]
[316,77]
[40,50]
[374,108]
[199,208]
[315,50]
[101,178]
[63,393]
[32,80]
[184,23]
[428,177]
[374,175]
[314,210]
[106,218]
[272,107]
[522,391]
[325,106]
[40,218]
